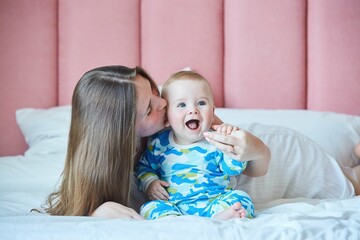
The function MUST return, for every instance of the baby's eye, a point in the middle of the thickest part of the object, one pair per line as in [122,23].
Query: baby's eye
[181,105]
[201,103]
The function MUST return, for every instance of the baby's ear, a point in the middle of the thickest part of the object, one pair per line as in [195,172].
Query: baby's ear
[167,124]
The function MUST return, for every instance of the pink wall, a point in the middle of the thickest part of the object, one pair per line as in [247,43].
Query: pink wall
[102,33]
[265,54]
[334,56]
[28,64]
[256,54]
[189,34]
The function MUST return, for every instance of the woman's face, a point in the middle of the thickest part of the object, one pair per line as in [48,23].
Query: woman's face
[150,108]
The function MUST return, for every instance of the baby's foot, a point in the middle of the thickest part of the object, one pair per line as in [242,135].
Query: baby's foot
[234,211]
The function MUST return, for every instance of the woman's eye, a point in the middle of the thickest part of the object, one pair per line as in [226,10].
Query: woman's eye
[181,105]
[201,103]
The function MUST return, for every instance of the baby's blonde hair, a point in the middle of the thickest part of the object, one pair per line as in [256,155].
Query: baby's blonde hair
[185,75]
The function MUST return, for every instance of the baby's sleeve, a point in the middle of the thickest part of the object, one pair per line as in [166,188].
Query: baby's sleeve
[231,166]
[146,171]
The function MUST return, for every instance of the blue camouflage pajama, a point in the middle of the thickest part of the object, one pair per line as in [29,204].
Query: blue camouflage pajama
[198,174]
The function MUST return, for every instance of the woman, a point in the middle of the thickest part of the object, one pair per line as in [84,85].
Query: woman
[112,108]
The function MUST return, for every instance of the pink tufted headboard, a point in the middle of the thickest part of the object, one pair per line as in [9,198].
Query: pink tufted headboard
[284,54]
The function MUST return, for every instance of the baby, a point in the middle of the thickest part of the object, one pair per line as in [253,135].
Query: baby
[181,171]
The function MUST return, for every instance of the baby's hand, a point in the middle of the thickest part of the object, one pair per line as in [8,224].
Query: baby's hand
[156,190]
[225,129]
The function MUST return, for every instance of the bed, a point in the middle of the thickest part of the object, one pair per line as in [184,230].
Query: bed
[287,72]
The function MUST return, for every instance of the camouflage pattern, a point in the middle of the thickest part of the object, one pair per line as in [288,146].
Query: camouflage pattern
[198,174]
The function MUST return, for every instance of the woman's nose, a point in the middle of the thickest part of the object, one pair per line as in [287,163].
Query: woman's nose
[193,110]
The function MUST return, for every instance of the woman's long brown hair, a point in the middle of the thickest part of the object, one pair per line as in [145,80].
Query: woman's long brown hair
[102,142]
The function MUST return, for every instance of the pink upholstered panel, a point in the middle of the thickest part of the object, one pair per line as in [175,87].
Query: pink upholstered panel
[94,33]
[27,64]
[256,54]
[176,35]
[334,56]
[265,54]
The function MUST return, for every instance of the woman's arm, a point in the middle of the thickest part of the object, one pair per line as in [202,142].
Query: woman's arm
[115,210]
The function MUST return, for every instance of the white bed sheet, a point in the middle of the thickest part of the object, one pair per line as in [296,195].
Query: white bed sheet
[25,181]
[308,219]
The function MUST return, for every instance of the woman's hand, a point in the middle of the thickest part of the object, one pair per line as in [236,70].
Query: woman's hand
[156,190]
[242,146]
[115,210]
[233,143]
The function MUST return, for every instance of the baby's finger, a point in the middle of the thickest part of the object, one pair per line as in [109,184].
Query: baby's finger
[229,130]
[164,184]
[161,197]
[165,194]
[232,129]
[221,130]
[156,196]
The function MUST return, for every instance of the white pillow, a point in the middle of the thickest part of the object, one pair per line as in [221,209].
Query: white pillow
[336,133]
[45,130]
[298,168]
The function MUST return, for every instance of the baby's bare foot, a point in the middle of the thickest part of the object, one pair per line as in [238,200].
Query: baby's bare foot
[234,211]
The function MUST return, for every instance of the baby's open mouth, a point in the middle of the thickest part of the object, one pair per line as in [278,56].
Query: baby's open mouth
[193,124]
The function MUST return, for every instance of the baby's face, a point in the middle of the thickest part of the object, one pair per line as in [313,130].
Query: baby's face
[190,110]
